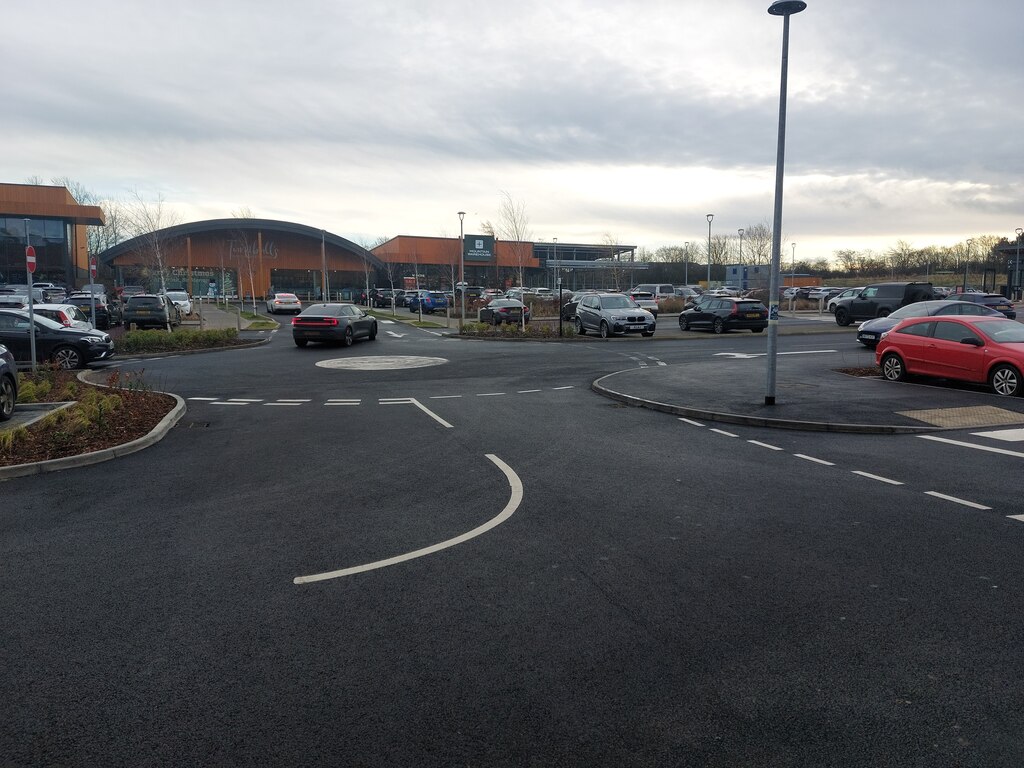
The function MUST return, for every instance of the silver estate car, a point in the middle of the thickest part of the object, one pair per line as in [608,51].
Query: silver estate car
[612,313]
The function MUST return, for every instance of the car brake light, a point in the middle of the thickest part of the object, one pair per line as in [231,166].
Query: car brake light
[735,309]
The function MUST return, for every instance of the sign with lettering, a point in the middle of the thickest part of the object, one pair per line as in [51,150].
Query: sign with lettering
[478,248]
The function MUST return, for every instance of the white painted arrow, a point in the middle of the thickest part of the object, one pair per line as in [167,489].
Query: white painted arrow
[396,335]
[736,355]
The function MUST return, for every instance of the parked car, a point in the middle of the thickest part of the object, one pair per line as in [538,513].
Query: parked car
[645,300]
[881,299]
[686,293]
[612,313]
[381,298]
[283,302]
[182,301]
[569,307]
[108,309]
[67,315]
[725,313]
[23,290]
[870,331]
[151,310]
[127,291]
[338,323]
[823,293]
[658,291]
[848,293]
[426,301]
[52,293]
[8,383]
[67,347]
[974,349]
[500,311]
[995,301]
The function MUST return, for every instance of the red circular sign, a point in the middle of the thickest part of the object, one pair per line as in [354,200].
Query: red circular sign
[92,266]
[30,258]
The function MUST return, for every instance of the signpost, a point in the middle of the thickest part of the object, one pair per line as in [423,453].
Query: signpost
[30,268]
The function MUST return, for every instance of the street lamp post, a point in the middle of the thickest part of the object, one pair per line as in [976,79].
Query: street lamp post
[462,270]
[967,261]
[710,217]
[686,263]
[785,9]
[743,281]
[1016,266]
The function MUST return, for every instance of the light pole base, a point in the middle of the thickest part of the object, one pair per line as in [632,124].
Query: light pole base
[769,400]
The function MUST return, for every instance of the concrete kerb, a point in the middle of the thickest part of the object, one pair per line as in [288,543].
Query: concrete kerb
[753,421]
[105,454]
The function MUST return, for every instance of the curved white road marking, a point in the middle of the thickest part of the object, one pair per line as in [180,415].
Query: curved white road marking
[381,363]
[513,504]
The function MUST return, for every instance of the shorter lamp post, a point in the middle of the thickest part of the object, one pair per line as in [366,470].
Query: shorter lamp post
[967,262]
[1016,265]
[462,270]
[686,263]
[710,217]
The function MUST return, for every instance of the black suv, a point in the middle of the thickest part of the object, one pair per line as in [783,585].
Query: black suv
[880,299]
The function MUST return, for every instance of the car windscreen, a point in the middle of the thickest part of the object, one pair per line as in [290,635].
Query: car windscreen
[617,302]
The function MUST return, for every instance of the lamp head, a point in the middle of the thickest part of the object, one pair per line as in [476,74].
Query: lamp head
[786,7]
[741,232]
[710,217]
[1019,231]
[462,215]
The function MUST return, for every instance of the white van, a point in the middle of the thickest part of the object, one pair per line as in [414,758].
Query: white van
[658,290]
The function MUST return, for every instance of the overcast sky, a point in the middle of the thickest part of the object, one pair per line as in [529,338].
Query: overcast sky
[626,119]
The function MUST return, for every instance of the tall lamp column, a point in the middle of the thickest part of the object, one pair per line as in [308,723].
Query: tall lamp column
[710,217]
[1016,266]
[462,271]
[785,9]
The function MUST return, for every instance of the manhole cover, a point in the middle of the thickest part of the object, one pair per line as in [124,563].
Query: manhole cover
[382,363]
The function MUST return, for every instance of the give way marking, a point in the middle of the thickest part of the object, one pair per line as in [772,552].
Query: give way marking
[515,499]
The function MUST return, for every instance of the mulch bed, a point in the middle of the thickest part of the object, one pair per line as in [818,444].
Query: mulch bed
[139,413]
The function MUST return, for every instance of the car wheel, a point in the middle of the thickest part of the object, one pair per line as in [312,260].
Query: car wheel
[301,342]
[373,332]
[842,316]
[270,310]
[496,321]
[756,330]
[684,323]
[1005,380]
[580,330]
[604,330]
[7,398]
[892,367]
[349,337]
[648,334]
[68,358]
[718,326]
[883,313]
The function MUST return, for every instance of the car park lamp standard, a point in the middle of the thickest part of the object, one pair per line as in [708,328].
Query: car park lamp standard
[784,8]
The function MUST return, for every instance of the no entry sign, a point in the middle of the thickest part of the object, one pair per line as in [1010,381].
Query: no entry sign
[92,266]
[30,259]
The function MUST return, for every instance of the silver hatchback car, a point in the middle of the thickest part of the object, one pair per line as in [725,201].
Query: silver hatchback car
[612,313]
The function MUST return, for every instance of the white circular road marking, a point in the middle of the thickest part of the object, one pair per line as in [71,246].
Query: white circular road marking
[382,363]
[515,499]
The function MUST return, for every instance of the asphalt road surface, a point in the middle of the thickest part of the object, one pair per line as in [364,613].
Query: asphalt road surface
[336,558]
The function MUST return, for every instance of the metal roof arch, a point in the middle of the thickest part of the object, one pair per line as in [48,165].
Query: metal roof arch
[136,244]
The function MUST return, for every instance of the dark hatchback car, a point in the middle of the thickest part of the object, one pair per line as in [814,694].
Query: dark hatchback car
[991,300]
[8,383]
[725,313]
[108,309]
[870,331]
[500,311]
[145,310]
[67,347]
[334,323]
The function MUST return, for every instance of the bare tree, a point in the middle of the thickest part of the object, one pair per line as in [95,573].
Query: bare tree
[149,221]
[246,252]
[757,243]
[514,226]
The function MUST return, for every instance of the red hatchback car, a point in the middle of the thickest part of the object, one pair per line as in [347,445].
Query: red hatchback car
[975,349]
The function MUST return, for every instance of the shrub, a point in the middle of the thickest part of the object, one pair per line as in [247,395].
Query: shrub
[136,342]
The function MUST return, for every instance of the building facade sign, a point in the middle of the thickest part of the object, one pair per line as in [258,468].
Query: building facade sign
[479,248]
